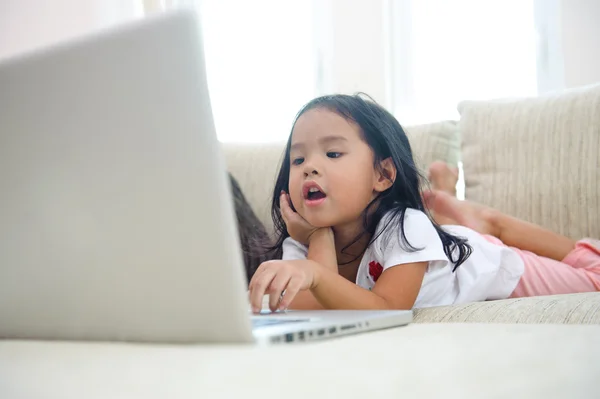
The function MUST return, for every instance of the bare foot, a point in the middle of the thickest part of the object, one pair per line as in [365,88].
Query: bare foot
[443,177]
[469,214]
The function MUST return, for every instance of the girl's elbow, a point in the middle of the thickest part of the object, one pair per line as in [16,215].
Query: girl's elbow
[398,304]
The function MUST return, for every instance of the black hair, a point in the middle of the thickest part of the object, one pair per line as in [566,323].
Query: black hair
[254,239]
[386,138]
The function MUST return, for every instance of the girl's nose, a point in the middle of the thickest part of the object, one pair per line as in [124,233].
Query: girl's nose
[310,170]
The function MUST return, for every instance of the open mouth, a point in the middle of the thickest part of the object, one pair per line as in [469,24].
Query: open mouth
[315,194]
[312,193]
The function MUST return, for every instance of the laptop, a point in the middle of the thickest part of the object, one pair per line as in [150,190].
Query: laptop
[116,217]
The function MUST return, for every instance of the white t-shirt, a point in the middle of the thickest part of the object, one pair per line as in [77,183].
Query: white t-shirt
[491,271]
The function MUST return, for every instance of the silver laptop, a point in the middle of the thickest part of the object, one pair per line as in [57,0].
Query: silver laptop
[116,221]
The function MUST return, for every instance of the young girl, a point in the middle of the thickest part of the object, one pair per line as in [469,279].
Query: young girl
[355,233]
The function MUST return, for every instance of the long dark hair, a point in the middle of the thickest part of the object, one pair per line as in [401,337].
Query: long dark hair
[254,239]
[383,133]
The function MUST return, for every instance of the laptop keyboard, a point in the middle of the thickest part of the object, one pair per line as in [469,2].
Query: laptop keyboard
[271,321]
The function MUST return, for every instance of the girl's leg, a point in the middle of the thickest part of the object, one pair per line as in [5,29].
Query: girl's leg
[578,272]
[442,178]
[511,231]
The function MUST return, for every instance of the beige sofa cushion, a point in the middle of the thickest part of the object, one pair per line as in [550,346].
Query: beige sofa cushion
[422,361]
[434,142]
[537,159]
[555,309]
[255,166]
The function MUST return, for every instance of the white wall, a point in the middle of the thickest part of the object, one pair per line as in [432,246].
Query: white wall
[581,41]
[350,35]
[27,24]
[358,53]
[351,38]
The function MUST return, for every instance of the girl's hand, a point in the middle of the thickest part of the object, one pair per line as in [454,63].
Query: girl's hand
[282,280]
[298,228]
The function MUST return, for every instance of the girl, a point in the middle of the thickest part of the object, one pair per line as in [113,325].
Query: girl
[354,230]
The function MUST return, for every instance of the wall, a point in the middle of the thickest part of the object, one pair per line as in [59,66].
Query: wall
[27,24]
[580,21]
[358,54]
[350,36]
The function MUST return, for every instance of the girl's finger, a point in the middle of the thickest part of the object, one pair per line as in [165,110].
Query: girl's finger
[293,287]
[290,205]
[263,266]
[289,215]
[284,206]
[276,288]
[257,292]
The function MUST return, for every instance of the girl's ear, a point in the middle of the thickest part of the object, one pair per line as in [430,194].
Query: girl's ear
[386,175]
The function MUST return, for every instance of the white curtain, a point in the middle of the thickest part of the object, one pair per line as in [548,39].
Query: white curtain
[260,64]
[443,52]
[266,58]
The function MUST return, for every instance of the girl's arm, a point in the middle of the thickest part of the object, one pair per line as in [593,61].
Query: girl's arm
[396,288]
[321,249]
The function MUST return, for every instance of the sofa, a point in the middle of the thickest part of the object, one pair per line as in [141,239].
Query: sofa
[537,159]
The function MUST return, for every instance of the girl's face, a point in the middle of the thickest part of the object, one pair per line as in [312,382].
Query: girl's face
[332,177]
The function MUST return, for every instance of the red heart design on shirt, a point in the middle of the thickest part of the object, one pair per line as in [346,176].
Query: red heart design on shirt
[375,270]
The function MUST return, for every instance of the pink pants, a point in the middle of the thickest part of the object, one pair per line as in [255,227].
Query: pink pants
[579,271]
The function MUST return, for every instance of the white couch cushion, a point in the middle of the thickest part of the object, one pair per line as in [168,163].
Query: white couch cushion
[537,159]
[437,141]
[255,167]
[416,361]
[583,308]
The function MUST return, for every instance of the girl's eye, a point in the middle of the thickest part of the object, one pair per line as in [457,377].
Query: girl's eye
[333,154]
[297,161]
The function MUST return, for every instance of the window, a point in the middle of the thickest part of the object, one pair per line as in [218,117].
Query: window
[418,58]
[443,52]
[260,65]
